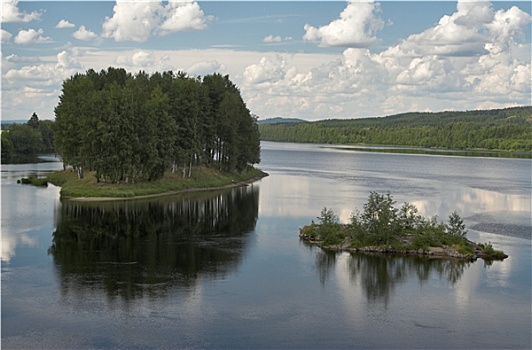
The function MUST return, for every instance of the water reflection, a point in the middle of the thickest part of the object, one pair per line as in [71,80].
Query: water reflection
[130,250]
[378,275]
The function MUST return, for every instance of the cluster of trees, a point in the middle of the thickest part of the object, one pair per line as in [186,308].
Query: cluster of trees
[502,129]
[131,128]
[381,224]
[35,136]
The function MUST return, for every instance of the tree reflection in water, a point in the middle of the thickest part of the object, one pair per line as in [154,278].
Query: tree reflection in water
[131,249]
[378,274]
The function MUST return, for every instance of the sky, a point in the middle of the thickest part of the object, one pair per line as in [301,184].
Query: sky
[300,59]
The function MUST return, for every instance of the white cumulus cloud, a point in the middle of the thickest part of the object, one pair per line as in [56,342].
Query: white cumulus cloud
[6,36]
[31,36]
[356,27]
[267,70]
[64,24]
[179,16]
[272,39]
[84,34]
[136,21]
[11,13]
[205,67]
[66,60]
[275,39]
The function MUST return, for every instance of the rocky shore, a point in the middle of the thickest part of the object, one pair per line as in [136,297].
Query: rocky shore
[479,250]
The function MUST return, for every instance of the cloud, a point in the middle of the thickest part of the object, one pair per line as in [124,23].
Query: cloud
[136,21]
[206,67]
[11,13]
[65,60]
[412,75]
[356,27]
[275,39]
[6,36]
[506,27]
[148,61]
[474,29]
[31,36]
[179,16]
[472,59]
[83,34]
[272,39]
[37,85]
[267,70]
[64,24]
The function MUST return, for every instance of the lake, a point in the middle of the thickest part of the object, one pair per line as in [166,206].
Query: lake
[226,269]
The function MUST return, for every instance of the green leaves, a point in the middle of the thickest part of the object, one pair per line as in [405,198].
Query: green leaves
[502,129]
[382,224]
[130,128]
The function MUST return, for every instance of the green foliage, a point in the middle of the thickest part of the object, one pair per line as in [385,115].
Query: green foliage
[7,145]
[381,224]
[456,226]
[132,128]
[328,229]
[489,252]
[35,136]
[507,129]
[25,139]
[33,180]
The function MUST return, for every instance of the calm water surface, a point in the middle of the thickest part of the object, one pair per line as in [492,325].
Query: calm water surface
[227,270]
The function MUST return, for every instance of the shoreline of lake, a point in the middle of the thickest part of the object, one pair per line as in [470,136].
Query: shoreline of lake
[169,193]
[87,189]
[445,252]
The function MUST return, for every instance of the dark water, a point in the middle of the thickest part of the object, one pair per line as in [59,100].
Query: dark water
[227,270]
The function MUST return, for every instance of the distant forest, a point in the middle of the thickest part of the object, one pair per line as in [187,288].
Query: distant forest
[34,136]
[507,129]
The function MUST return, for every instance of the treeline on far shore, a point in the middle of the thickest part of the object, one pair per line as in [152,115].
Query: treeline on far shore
[30,138]
[508,129]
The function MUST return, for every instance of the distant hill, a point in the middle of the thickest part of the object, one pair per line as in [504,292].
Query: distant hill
[507,129]
[6,123]
[280,120]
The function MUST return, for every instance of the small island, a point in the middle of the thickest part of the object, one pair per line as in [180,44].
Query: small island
[382,228]
[122,135]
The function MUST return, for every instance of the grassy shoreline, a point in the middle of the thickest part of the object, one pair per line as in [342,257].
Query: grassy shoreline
[202,179]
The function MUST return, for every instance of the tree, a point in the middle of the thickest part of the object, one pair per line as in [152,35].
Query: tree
[25,139]
[379,220]
[34,121]
[7,145]
[456,226]
[46,127]
[130,128]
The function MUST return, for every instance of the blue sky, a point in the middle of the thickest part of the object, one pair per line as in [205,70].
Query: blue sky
[305,59]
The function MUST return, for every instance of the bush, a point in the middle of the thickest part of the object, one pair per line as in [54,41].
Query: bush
[33,180]
[328,228]
[489,252]
[382,224]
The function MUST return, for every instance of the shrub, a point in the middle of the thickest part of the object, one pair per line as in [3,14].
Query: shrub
[456,226]
[33,180]
[381,224]
[490,252]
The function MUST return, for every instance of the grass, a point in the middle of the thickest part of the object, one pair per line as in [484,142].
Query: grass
[34,180]
[202,178]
